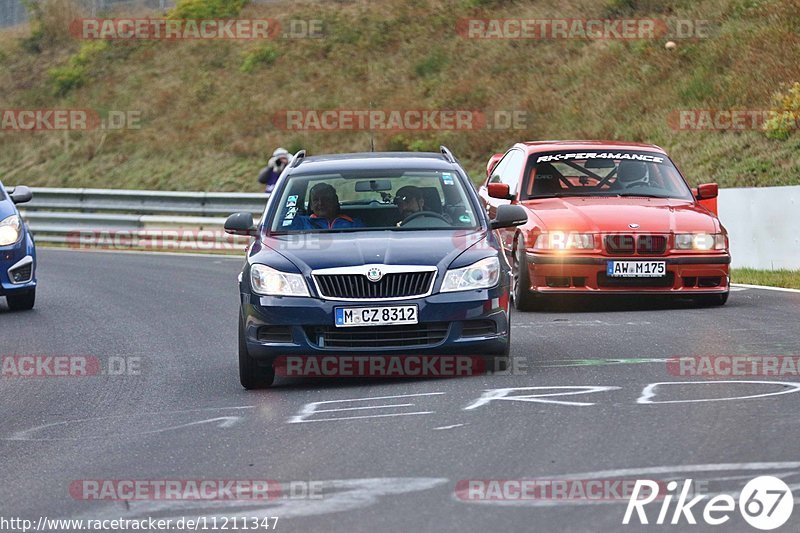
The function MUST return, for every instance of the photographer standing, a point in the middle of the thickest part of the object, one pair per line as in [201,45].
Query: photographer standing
[269,174]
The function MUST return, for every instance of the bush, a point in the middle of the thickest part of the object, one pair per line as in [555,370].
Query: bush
[207,9]
[785,119]
[265,55]
[76,72]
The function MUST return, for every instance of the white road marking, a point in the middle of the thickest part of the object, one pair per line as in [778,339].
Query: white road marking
[765,288]
[448,427]
[224,422]
[310,409]
[650,390]
[490,395]
[338,495]
[667,472]
[580,324]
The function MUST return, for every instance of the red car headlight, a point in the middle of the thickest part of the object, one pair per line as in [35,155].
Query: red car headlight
[701,241]
[561,240]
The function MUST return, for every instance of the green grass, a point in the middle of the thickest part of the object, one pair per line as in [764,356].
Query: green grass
[207,107]
[789,279]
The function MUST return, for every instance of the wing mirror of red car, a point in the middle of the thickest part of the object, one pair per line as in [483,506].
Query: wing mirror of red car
[706,191]
[492,163]
[240,224]
[500,190]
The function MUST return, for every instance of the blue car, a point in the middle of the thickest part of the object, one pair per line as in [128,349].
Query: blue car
[379,254]
[17,252]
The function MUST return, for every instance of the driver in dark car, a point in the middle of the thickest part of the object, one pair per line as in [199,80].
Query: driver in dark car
[324,203]
[409,200]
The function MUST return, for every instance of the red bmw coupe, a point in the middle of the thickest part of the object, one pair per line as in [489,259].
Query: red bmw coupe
[607,217]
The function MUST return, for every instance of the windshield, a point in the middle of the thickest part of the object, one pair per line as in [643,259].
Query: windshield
[604,173]
[397,200]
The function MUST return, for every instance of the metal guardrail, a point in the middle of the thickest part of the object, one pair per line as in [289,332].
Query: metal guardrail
[137,219]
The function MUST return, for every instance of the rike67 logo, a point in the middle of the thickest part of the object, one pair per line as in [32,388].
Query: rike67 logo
[766,503]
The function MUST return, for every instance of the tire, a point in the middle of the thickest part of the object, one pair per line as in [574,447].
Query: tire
[21,302]
[712,300]
[251,375]
[524,299]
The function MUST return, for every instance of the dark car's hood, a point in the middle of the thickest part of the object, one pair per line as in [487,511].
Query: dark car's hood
[595,214]
[313,251]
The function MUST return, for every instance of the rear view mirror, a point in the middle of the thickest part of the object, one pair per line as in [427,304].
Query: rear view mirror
[21,194]
[508,216]
[707,191]
[373,186]
[706,195]
[240,224]
[500,190]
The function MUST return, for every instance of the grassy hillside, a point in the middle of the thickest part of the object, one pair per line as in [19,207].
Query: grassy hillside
[207,106]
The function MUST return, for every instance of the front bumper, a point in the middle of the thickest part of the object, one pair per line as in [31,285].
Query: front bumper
[685,274]
[460,323]
[15,258]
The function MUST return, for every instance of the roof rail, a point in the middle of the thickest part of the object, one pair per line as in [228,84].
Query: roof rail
[297,159]
[447,153]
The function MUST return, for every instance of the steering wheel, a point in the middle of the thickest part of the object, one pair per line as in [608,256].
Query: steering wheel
[421,214]
[638,184]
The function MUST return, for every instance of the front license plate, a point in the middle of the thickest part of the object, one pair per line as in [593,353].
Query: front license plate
[636,269]
[375,316]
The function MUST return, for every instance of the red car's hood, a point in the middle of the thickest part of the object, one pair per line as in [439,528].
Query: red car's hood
[598,214]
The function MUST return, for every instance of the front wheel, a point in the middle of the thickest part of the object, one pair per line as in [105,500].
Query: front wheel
[251,375]
[21,302]
[524,299]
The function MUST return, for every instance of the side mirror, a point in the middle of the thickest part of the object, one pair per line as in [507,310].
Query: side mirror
[240,224]
[500,190]
[508,216]
[493,163]
[707,191]
[21,194]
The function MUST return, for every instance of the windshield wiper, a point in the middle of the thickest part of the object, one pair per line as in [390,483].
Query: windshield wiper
[558,195]
[642,195]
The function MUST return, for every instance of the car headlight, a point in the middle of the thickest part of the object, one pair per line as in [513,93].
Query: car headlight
[10,230]
[481,275]
[700,241]
[559,240]
[271,282]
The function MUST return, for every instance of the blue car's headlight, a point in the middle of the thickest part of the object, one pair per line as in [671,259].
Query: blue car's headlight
[10,230]
[481,275]
[271,282]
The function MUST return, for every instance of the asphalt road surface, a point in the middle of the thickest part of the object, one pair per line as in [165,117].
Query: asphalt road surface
[388,455]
